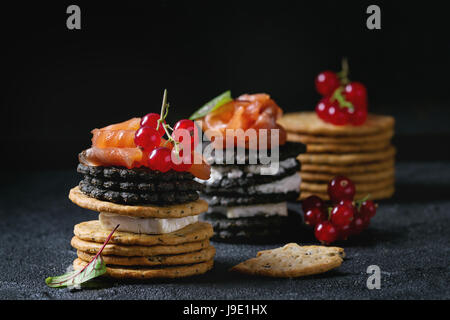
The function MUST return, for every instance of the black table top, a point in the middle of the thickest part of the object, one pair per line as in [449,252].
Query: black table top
[408,239]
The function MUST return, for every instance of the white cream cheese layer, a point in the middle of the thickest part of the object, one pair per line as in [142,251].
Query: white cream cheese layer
[233,172]
[285,185]
[268,209]
[144,225]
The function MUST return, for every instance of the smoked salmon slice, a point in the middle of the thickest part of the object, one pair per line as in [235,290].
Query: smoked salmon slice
[123,157]
[248,111]
[133,158]
[114,145]
[120,135]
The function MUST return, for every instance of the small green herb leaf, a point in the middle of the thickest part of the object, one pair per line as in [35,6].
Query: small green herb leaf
[96,267]
[212,105]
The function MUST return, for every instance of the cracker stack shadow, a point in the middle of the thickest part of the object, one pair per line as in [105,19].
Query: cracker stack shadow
[161,238]
[362,153]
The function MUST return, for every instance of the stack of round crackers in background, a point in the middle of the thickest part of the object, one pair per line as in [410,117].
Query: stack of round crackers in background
[154,240]
[362,153]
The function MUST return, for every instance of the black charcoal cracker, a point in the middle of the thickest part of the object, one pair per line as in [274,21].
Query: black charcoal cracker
[141,174]
[138,186]
[221,222]
[135,198]
[229,200]
[242,230]
[288,150]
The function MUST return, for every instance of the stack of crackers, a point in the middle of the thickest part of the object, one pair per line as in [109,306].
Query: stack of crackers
[246,205]
[362,153]
[176,254]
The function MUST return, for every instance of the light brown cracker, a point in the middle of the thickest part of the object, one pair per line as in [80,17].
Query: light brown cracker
[347,148]
[349,169]
[310,123]
[347,159]
[93,231]
[360,187]
[307,139]
[384,193]
[177,259]
[151,273]
[387,173]
[292,260]
[146,211]
[141,251]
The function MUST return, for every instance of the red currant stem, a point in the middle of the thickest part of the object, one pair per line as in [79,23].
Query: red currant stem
[360,201]
[162,117]
[163,114]
[329,213]
[343,74]
[337,95]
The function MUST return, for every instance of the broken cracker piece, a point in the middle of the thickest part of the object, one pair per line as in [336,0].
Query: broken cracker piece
[292,260]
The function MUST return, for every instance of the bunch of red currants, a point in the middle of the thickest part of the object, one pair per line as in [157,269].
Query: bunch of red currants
[345,218]
[343,102]
[171,154]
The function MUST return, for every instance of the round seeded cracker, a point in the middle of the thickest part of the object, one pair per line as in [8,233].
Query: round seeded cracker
[151,273]
[350,140]
[349,169]
[292,260]
[347,159]
[384,193]
[134,250]
[177,259]
[145,211]
[387,173]
[360,187]
[309,123]
[347,148]
[92,231]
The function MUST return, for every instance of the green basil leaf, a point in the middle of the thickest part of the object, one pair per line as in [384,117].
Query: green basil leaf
[212,105]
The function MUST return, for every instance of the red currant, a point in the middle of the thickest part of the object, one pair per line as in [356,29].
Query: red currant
[345,232]
[337,115]
[368,209]
[326,232]
[160,160]
[191,130]
[314,216]
[312,202]
[147,138]
[341,188]
[181,162]
[326,82]
[342,215]
[322,108]
[359,224]
[348,203]
[356,93]
[358,117]
[151,120]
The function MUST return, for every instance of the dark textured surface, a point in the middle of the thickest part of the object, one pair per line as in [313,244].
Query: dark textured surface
[408,240]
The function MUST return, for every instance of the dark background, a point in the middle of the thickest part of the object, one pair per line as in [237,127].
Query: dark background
[58,84]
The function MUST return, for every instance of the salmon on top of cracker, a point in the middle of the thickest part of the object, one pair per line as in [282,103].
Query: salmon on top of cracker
[248,202]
